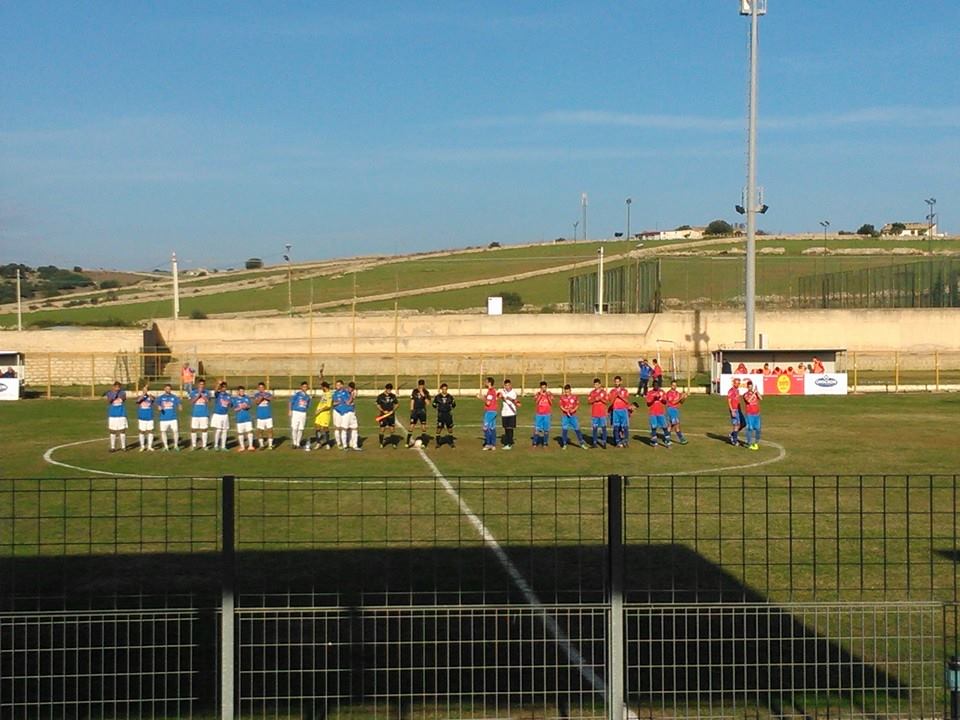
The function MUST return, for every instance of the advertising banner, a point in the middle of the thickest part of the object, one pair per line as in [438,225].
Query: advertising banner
[825,384]
[9,389]
[783,384]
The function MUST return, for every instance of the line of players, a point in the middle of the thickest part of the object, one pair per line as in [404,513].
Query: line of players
[610,408]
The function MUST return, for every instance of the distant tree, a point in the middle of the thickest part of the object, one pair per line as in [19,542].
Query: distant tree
[512,302]
[719,227]
[867,229]
[684,227]
[493,245]
[77,269]
[109,284]
[198,314]
[897,228]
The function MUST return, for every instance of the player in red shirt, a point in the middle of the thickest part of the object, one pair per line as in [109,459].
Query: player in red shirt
[674,399]
[598,412]
[751,402]
[736,414]
[489,397]
[656,399]
[619,399]
[657,374]
[569,405]
[543,407]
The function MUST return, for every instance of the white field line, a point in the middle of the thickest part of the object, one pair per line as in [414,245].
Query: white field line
[518,579]
[48,456]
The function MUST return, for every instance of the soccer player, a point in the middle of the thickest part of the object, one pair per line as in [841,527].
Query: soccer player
[444,403]
[418,410]
[387,414]
[543,407]
[598,413]
[489,396]
[345,416]
[656,374]
[169,405]
[674,399]
[510,399]
[737,421]
[116,417]
[645,370]
[199,414]
[242,404]
[145,422]
[299,403]
[656,408]
[261,401]
[569,405]
[222,402]
[751,401]
[619,398]
[321,421]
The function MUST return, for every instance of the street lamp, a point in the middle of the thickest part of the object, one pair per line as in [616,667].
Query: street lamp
[600,282]
[629,203]
[824,224]
[576,224]
[289,281]
[931,218]
[753,8]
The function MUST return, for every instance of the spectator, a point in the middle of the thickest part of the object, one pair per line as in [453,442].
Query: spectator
[801,369]
[766,369]
[816,366]
[9,373]
[657,374]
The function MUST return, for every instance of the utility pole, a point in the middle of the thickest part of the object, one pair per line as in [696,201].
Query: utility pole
[289,281]
[600,282]
[19,304]
[629,203]
[176,286]
[583,208]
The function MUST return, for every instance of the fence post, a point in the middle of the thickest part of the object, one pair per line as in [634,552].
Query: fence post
[615,631]
[896,371]
[93,376]
[49,376]
[855,371]
[227,569]
[936,366]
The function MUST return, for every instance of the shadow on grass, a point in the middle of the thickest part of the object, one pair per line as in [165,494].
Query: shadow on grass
[334,627]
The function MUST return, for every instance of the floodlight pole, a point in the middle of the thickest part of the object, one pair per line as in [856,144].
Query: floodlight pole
[752,8]
[931,215]
[575,226]
[629,203]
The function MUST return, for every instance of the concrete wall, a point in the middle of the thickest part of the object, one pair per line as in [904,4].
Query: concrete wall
[77,356]
[696,331]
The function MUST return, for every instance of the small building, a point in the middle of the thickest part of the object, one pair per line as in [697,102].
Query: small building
[909,230]
[684,233]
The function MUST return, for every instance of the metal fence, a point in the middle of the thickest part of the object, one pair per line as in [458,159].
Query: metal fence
[753,596]
[923,284]
[628,287]
[50,375]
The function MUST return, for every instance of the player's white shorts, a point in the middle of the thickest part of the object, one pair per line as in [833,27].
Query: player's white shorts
[199,423]
[345,421]
[244,427]
[220,422]
[298,420]
[264,423]
[116,424]
[145,425]
[172,425]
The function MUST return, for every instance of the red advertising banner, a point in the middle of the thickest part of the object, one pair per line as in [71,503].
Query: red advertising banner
[783,385]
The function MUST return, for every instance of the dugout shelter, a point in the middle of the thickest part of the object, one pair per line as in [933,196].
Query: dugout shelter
[832,381]
[11,361]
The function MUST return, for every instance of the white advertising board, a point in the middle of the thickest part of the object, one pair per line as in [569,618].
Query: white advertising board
[726,382]
[825,384]
[9,388]
[494,306]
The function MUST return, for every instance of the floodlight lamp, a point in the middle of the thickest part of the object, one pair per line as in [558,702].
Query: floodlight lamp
[740,209]
[763,209]
[746,7]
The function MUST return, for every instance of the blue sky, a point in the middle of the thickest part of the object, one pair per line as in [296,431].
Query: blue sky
[225,130]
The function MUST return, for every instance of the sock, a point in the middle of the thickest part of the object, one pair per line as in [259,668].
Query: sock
[603,433]
[149,440]
[594,435]
[124,446]
[563,438]
[113,441]
[250,440]
[735,436]
[354,436]
[509,436]
[163,439]
[679,436]
[193,439]
[579,437]
[381,439]
[142,444]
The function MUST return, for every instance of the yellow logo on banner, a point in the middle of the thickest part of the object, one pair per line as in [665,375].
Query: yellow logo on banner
[783,384]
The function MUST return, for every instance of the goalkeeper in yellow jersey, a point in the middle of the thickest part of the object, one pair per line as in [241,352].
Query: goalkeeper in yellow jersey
[321,421]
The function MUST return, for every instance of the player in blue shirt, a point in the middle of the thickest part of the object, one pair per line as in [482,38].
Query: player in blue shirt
[169,405]
[345,416]
[222,403]
[242,405]
[261,399]
[145,422]
[299,404]
[200,401]
[116,417]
